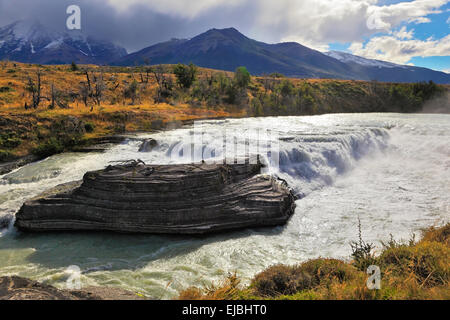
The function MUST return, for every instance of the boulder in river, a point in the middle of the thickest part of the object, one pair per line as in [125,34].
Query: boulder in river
[148,145]
[164,199]
[5,220]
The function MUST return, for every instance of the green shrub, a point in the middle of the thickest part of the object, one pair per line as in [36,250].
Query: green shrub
[427,261]
[5,155]
[287,280]
[276,75]
[362,252]
[131,91]
[286,88]
[89,127]
[242,77]
[74,66]
[257,107]
[324,271]
[157,124]
[5,89]
[441,234]
[10,142]
[186,75]
[49,147]
[231,93]
[280,280]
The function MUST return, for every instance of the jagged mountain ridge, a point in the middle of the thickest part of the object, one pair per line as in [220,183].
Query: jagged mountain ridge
[224,49]
[227,49]
[31,42]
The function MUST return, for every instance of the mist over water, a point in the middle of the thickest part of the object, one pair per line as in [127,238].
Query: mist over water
[391,170]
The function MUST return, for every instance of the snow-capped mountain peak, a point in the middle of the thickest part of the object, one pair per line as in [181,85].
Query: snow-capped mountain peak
[31,41]
[350,58]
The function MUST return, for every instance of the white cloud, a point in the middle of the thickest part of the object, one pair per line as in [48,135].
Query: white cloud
[320,22]
[314,22]
[403,33]
[400,47]
[421,20]
[320,46]
[181,8]
[414,11]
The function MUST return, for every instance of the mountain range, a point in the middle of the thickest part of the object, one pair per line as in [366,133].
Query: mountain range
[223,49]
[226,49]
[31,42]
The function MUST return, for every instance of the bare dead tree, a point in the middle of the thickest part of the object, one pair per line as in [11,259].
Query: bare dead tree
[165,84]
[145,78]
[84,92]
[93,88]
[99,87]
[115,83]
[86,72]
[158,73]
[147,71]
[59,98]
[268,82]
[53,97]
[35,90]
[209,78]
[132,92]
[85,89]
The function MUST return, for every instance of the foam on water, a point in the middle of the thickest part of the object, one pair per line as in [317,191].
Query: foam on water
[393,171]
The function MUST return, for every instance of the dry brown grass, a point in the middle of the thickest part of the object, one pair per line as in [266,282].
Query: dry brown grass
[437,234]
[226,290]
[417,270]
[35,127]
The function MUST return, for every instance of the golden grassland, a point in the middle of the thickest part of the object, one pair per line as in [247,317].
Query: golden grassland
[15,75]
[44,130]
[414,270]
[24,130]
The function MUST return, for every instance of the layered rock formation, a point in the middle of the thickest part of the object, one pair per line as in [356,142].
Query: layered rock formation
[172,199]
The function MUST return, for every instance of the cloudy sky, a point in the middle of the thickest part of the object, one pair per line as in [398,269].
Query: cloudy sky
[412,32]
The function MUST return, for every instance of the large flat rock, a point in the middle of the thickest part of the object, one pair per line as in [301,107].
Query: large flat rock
[167,199]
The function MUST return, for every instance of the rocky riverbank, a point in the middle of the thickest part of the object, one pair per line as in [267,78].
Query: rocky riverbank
[18,288]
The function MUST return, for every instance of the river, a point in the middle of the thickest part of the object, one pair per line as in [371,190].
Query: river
[392,171]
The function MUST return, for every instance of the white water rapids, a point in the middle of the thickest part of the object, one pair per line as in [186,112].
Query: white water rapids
[391,170]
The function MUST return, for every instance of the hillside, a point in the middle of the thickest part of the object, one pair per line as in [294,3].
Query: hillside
[78,105]
[227,49]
